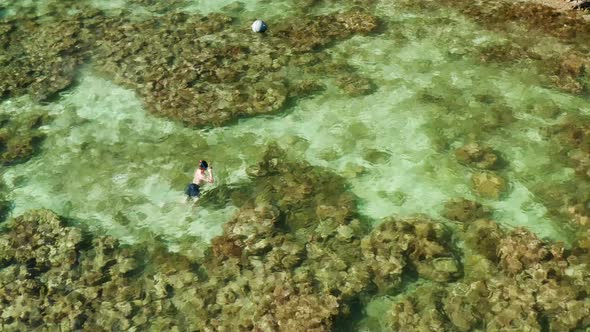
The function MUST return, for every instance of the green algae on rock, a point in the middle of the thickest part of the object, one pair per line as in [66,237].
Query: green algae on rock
[209,71]
[464,210]
[206,71]
[295,256]
[39,58]
[20,136]
[535,287]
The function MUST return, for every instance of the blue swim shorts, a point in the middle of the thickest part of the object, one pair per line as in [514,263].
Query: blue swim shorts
[192,190]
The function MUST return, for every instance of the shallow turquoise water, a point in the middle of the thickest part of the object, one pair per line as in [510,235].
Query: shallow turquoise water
[115,168]
[110,165]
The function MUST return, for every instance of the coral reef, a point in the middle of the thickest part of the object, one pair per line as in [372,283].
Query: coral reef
[5,207]
[534,286]
[477,156]
[539,17]
[54,278]
[464,210]
[488,184]
[507,52]
[419,311]
[564,25]
[421,244]
[483,236]
[315,32]
[259,274]
[573,140]
[207,71]
[569,199]
[570,72]
[39,58]
[20,136]
[294,256]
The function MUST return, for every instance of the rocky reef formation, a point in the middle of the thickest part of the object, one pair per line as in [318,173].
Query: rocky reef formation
[200,70]
[513,281]
[20,136]
[293,257]
[208,71]
[487,183]
[40,57]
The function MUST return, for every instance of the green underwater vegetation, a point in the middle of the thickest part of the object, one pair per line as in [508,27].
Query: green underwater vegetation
[380,166]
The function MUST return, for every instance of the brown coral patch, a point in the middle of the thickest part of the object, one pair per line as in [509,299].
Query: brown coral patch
[464,210]
[206,71]
[478,156]
[537,286]
[20,137]
[209,71]
[39,58]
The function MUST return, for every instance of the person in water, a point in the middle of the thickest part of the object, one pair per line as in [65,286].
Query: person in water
[193,191]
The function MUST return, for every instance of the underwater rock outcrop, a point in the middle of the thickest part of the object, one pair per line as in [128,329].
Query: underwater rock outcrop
[201,70]
[20,136]
[208,71]
[477,156]
[527,285]
[39,57]
[295,256]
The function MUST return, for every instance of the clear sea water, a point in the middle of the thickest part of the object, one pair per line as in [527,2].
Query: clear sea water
[109,164]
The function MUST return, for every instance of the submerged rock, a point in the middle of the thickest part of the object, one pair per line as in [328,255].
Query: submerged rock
[488,184]
[477,156]
[205,71]
[464,210]
[535,282]
[281,264]
[20,136]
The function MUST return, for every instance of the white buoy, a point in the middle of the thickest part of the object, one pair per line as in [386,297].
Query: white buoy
[259,26]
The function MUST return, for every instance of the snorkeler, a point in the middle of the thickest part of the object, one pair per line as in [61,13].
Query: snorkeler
[193,190]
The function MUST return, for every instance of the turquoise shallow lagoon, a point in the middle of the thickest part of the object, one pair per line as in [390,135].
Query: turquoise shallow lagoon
[108,159]
[116,169]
